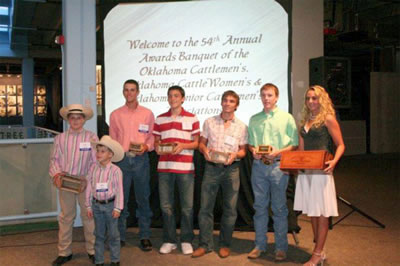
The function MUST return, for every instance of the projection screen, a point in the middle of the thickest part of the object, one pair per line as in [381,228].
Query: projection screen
[207,47]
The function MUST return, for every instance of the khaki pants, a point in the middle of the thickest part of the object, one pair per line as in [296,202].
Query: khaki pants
[66,221]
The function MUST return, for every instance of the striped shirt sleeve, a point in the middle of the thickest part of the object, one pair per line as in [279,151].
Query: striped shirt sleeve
[118,189]
[56,157]
[156,128]
[93,138]
[89,194]
[195,127]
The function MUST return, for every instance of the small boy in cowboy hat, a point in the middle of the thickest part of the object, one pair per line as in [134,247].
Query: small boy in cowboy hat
[105,198]
[72,154]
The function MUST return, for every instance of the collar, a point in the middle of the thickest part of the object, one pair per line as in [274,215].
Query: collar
[233,120]
[132,110]
[108,165]
[71,132]
[272,112]
[169,113]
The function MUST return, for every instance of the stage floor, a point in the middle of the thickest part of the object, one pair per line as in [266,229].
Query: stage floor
[369,182]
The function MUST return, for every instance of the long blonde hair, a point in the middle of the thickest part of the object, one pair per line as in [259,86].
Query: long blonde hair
[326,107]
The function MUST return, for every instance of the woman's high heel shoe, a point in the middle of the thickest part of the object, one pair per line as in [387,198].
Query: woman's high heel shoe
[320,261]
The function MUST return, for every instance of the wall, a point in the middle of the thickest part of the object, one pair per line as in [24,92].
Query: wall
[384,114]
[308,42]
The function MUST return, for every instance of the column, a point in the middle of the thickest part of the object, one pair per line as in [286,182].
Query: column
[79,59]
[27,91]
[79,55]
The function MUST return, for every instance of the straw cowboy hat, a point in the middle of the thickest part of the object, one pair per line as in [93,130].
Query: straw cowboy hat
[87,112]
[114,146]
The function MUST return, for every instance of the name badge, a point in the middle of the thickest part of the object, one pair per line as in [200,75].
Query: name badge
[144,128]
[186,125]
[101,187]
[230,141]
[85,146]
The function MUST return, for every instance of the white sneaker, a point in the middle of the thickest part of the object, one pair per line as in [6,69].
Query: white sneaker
[187,248]
[167,248]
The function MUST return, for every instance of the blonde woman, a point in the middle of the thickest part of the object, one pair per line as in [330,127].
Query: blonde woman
[315,190]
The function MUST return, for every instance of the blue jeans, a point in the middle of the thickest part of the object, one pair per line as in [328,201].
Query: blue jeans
[269,183]
[137,169]
[229,180]
[166,185]
[103,220]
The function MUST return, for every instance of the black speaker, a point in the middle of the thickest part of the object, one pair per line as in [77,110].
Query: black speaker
[334,74]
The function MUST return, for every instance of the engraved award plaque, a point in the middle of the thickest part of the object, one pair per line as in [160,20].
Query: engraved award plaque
[299,160]
[219,157]
[264,149]
[72,183]
[135,148]
[165,148]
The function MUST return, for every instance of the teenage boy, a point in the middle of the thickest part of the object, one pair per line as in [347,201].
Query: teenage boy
[134,123]
[222,133]
[105,198]
[181,128]
[72,154]
[276,128]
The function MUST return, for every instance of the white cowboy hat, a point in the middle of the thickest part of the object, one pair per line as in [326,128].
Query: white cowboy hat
[87,112]
[114,146]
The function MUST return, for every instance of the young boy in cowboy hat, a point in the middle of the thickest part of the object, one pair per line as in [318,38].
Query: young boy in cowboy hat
[105,197]
[72,154]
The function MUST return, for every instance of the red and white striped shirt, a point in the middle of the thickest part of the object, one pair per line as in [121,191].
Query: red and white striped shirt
[110,179]
[72,153]
[181,129]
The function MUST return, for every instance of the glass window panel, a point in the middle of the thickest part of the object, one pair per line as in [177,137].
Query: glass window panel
[26,175]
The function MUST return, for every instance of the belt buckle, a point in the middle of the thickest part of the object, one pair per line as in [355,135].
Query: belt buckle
[109,200]
[266,161]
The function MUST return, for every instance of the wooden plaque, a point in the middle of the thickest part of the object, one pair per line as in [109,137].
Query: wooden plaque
[219,157]
[165,148]
[298,160]
[264,149]
[72,184]
[135,147]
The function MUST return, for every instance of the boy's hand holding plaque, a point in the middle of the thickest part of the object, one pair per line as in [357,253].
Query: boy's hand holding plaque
[72,183]
[165,148]
[265,150]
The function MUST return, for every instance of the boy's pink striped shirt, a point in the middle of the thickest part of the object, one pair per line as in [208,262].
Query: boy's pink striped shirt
[112,176]
[71,153]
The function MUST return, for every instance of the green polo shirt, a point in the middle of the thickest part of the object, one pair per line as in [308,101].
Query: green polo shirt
[277,128]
